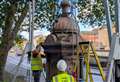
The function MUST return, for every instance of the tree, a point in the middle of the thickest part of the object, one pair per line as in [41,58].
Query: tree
[12,16]
[19,41]
[92,12]
[40,40]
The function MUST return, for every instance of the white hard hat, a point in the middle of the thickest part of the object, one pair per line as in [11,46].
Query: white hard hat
[62,65]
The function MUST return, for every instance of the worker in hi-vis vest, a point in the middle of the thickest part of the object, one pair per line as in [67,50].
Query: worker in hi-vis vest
[36,64]
[62,76]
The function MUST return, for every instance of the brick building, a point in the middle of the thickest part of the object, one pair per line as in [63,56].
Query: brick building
[98,36]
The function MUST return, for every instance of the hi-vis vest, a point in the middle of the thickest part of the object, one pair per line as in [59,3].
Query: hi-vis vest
[36,63]
[63,77]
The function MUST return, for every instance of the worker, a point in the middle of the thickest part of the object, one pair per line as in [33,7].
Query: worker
[63,76]
[36,64]
[43,56]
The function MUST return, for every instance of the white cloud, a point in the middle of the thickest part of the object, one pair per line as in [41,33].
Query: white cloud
[43,32]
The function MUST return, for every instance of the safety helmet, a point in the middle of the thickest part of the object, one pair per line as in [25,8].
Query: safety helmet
[61,65]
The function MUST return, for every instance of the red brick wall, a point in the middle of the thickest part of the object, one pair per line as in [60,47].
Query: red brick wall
[100,39]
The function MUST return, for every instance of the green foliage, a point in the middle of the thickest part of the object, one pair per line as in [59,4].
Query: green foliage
[2,13]
[40,40]
[94,14]
[19,38]
[44,13]
[19,41]
[4,7]
[91,14]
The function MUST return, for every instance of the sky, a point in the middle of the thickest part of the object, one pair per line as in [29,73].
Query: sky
[45,32]
[86,27]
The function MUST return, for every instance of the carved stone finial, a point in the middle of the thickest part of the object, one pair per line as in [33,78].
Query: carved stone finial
[65,4]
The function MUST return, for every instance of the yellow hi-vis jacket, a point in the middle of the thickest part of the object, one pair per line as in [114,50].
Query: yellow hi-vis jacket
[63,77]
[36,63]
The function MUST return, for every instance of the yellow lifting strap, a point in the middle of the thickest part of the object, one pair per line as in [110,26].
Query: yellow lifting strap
[86,48]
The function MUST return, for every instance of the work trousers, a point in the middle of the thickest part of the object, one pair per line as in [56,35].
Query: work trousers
[36,74]
[117,70]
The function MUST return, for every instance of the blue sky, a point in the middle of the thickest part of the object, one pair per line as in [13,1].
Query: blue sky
[85,27]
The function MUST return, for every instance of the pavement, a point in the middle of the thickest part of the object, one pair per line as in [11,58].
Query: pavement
[12,62]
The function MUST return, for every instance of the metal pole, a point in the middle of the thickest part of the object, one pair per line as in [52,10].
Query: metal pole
[117,9]
[108,20]
[110,72]
[30,44]
[31,26]
[31,23]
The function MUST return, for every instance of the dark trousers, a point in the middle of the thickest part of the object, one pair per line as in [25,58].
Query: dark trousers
[117,70]
[36,74]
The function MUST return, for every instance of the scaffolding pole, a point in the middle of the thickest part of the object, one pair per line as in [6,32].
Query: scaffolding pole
[30,25]
[117,10]
[108,20]
[30,43]
[31,28]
